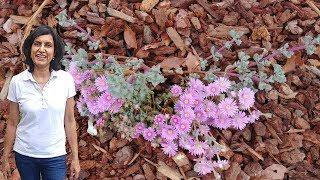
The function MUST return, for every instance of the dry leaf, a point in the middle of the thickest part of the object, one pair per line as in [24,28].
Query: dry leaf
[192,62]
[19,19]
[169,172]
[181,159]
[175,37]
[292,62]
[147,5]
[130,37]
[275,171]
[171,62]
[87,164]
[261,33]
[314,62]
[121,15]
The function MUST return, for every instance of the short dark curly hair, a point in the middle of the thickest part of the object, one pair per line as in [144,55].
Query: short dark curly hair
[58,47]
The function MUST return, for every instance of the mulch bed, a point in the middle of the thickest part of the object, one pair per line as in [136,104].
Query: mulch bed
[287,140]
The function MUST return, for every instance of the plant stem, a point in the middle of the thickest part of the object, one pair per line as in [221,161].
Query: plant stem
[85,32]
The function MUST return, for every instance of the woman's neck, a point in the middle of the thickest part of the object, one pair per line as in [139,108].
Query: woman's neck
[41,73]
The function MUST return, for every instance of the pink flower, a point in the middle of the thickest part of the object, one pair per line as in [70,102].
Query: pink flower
[228,107]
[204,129]
[92,107]
[88,93]
[100,122]
[168,132]
[178,107]
[254,116]
[149,134]
[222,164]
[139,127]
[201,115]
[186,141]
[197,100]
[199,148]
[186,100]
[240,120]
[246,98]
[176,90]
[210,108]
[175,119]
[105,101]
[116,106]
[213,89]
[222,122]
[101,83]
[187,114]
[223,84]
[183,127]
[196,84]
[203,167]
[159,119]
[169,148]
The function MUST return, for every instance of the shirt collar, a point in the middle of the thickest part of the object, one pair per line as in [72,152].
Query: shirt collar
[28,75]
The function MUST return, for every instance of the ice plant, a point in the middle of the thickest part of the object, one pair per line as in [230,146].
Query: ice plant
[189,127]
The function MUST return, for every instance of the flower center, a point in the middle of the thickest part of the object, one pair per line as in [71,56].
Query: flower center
[149,134]
[170,131]
[186,101]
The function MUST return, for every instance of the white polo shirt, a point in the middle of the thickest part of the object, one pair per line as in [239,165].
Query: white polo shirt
[40,132]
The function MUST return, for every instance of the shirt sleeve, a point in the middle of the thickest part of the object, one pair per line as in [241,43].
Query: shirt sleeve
[71,88]
[12,92]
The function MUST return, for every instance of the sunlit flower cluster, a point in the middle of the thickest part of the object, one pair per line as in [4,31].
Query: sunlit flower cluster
[199,108]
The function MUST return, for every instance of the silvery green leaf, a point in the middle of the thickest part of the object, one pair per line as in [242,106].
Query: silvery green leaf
[307,39]
[288,54]
[203,64]
[81,55]
[242,56]
[134,63]
[210,77]
[154,76]
[65,63]
[257,57]
[93,45]
[98,56]
[310,49]
[62,4]
[68,48]
[263,76]
[63,19]
[82,36]
[233,33]
[238,41]
[279,74]
[213,50]
[194,75]
[227,44]
[271,79]
[91,129]
[264,86]
[317,40]
[178,70]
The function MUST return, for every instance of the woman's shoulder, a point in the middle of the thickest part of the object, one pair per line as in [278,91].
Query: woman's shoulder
[21,76]
[64,74]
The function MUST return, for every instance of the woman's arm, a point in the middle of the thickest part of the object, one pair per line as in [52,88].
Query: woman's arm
[71,132]
[10,135]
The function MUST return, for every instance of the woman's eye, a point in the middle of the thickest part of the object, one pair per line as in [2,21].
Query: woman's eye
[49,45]
[36,43]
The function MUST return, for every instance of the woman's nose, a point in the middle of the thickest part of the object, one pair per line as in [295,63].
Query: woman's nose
[41,48]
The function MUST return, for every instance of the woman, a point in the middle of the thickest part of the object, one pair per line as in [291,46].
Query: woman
[41,112]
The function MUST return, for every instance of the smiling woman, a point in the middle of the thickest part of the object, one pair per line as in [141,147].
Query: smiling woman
[43,96]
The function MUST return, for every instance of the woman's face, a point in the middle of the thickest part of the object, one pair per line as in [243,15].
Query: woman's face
[42,51]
